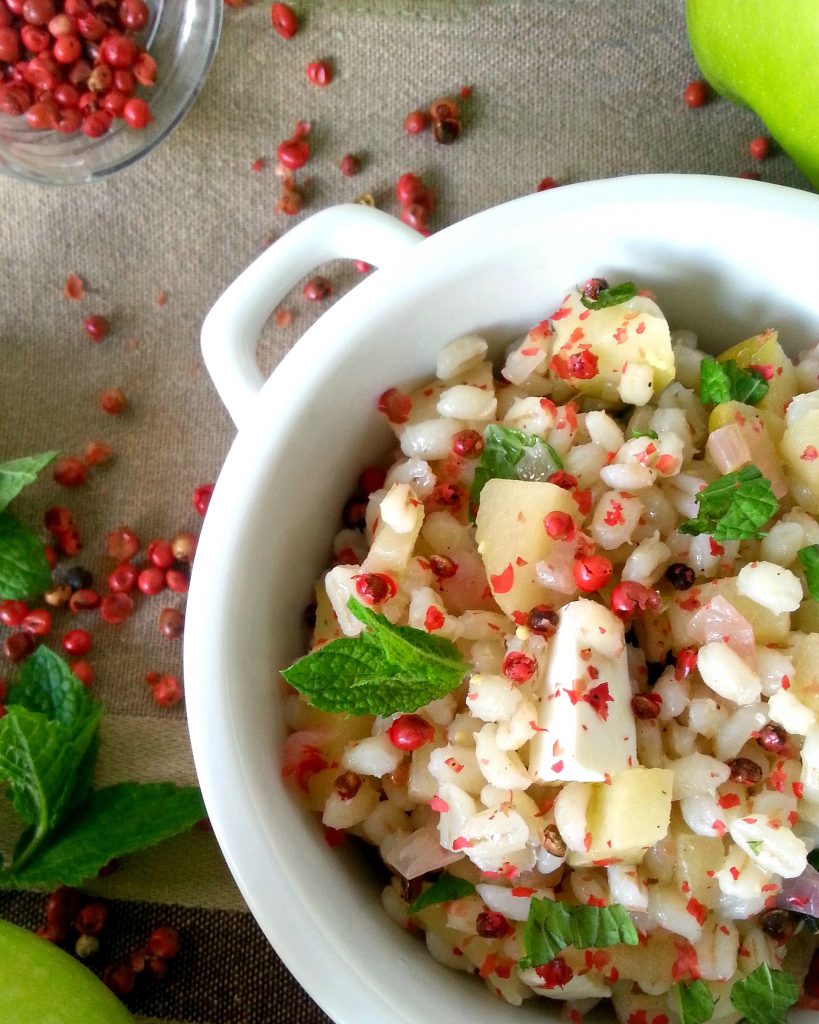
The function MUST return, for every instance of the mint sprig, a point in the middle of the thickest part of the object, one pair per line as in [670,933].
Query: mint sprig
[809,557]
[726,382]
[19,473]
[644,433]
[735,507]
[24,569]
[552,926]
[696,1002]
[443,889]
[613,296]
[383,670]
[48,746]
[765,995]
[510,454]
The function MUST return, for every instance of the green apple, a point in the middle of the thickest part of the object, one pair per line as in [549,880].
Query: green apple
[41,984]
[763,54]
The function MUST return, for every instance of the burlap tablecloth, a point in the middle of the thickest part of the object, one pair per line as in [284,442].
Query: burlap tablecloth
[573,91]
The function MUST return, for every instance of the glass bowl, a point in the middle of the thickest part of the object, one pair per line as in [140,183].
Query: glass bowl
[182,36]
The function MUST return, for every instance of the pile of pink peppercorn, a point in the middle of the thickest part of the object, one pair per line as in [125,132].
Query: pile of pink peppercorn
[74,65]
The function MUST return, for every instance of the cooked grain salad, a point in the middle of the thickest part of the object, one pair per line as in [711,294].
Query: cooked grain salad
[564,672]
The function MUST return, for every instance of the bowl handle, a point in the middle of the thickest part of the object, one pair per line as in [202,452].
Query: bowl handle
[232,327]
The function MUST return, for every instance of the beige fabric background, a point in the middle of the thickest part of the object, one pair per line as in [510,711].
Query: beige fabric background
[575,91]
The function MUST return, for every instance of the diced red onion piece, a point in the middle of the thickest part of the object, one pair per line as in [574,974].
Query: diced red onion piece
[718,619]
[419,853]
[728,449]
[801,894]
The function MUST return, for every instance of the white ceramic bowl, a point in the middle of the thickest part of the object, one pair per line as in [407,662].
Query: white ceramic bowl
[726,257]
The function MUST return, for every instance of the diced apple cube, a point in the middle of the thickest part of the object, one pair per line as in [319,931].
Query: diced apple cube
[586,728]
[698,860]
[632,334]
[805,654]
[769,628]
[512,539]
[800,449]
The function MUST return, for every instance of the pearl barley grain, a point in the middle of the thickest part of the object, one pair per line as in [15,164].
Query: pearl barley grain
[770,586]
[727,674]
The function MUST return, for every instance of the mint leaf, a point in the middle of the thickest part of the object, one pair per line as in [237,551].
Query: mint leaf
[696,1002]
[24,570]
[39,759]
[610,296]
[552,926]
[725,382]
[47,684]
[447,887]
[511,454]
[755,846]
[644,433]
[111,823]
[765,995]
[735,507]
[809,557]
[383,670]
[19,473]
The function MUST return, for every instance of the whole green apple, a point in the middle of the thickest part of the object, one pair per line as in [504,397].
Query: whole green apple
[41,983]
[764,54]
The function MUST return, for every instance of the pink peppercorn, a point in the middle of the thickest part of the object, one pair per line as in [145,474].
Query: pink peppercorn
[201,497]
[319,73]
[416,121]
[183,546]
[349,165]
[160,554]
[90,920]
[13,612]
[77,642]
[167,691]
[293,153]
[284,20]
[83,671]
[151,580]
[113,401]
[695,94]
[122,580]
[115,608]
[37,622]
[84,600]
[317,289]
[409,732]
[163,942]
[69,472]
[760,147]
[409,189]
[177,581]
[122,543]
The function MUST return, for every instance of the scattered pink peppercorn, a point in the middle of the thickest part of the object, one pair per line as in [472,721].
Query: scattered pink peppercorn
[83,671]
[201,497]
[120,978]
[409,732]
[695,94]
[151,580]
[122,580]
[91,918]
[113,401]
[13,612]
[317,289]
[293,153]
[592,572]
[409,188]
[628,597]
[760,147]
[183,546]
[467,444]
[37,622]
[96,328]
[492,925]
[97,453]
[62,905]
[284,20]
[167,691]
[171,623]
[116,608]
[519,667]
[69,472]
[416,121]
[349,165]
[18,646]
[375,587]
[84,600]
[545,184]
[177,581]
[122,543]
[319,73]
[163,942]
[160,553]
[395,405]
[77,642]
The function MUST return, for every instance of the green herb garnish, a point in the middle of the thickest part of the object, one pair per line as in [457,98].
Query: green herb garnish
[644,433]
[725,382]
[606,297]
[24,569]
[696,1002]
[510,454]
[48,746]
[735,507]
[552,926]
[809,557]
[755,846]
[765,995]
[445,888]
[383,670]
